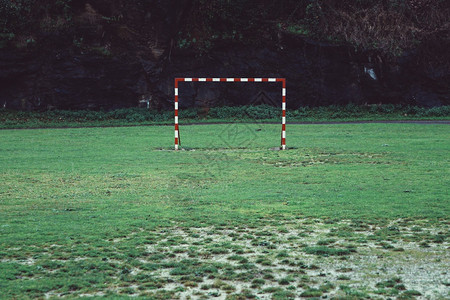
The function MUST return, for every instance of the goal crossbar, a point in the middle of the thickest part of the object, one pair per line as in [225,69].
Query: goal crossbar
[233,79]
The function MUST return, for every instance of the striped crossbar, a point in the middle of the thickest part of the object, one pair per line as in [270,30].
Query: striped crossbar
[233,79]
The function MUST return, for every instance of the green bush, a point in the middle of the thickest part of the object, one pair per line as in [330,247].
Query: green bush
[188,114]
[440,111]
[262,112]
[57,118]
[227,112]
[118,114]
[135,118]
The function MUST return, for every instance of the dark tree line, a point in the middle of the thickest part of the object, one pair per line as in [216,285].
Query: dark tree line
[391,26]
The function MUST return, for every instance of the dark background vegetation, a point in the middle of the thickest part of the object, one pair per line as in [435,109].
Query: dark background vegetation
[110,54]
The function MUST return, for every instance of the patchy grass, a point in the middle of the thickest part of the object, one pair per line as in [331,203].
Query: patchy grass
[114,212]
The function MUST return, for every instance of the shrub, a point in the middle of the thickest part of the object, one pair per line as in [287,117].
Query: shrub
[386,108]
[262,112]
[135,117]
[16,119]
[440,111]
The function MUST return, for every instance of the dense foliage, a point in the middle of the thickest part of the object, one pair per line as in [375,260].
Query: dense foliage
[391,26]
[261,113]
[111,53]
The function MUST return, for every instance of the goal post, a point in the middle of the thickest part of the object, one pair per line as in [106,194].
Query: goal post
[234,79]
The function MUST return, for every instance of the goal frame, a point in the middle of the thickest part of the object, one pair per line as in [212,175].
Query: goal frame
[233,79]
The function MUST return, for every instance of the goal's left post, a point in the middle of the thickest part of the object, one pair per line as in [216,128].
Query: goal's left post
[283,116]
[177,129]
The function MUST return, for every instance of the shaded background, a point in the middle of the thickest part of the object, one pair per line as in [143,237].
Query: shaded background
[99,54]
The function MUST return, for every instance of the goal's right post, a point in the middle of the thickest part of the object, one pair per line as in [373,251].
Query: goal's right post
[283,118]
[177,130]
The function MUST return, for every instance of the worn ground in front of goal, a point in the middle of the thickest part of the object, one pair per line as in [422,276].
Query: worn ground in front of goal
[353,210]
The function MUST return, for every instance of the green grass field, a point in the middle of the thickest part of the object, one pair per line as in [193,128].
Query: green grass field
[350,210]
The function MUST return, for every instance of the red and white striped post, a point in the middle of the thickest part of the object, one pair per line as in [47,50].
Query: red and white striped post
[177,131]
[234,79]
[283,116]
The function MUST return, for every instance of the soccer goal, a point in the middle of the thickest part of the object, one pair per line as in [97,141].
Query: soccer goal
[283,104]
